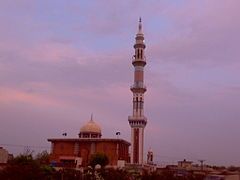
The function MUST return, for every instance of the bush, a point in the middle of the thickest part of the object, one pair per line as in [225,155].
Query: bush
[99,158]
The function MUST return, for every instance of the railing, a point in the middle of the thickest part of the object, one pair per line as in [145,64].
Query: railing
[138,85]
[137,118]
[134,59]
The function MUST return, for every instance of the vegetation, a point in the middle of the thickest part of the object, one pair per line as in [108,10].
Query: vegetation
[99,158]
[170,175]
[233,168]
[116,174]
[27,167]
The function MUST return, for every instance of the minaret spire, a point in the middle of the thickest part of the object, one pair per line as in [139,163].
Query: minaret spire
[138,121]
[140,26]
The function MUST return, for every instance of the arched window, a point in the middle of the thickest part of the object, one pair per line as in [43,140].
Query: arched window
[134,104]
[137,103]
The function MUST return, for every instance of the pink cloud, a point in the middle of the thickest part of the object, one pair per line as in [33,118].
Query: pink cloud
[46,64]
[11,96]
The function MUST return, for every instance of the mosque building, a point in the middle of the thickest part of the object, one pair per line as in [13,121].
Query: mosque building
[76,152]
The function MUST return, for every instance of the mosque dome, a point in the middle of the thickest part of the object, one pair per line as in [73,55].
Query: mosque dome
[90,130]
[91,126]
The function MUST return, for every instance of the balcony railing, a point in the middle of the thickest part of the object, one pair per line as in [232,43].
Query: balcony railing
[134,59]
[138,85]
[135,118]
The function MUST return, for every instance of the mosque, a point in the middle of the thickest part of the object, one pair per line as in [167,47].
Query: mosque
[76,152]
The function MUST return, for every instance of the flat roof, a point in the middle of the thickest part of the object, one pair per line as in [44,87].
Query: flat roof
[89,140]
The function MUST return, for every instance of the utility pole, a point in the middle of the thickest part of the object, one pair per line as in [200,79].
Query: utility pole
[201,161]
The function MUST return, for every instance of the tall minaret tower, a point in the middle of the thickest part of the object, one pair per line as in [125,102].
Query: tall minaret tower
[138,121]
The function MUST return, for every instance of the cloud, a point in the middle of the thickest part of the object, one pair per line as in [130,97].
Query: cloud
[203,34]
[60,62]
[12,96]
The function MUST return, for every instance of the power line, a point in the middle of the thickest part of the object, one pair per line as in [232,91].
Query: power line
[21,145]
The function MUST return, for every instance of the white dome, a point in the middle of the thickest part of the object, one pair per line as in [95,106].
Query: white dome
[90,127]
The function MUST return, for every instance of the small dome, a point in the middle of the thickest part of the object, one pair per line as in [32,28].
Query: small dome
[90,127]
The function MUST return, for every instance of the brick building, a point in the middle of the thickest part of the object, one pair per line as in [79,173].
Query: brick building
[4,157]
[76,152]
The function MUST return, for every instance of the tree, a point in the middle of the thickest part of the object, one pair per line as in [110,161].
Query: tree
[99,158]
[42,158]
[22,167]
[116,174]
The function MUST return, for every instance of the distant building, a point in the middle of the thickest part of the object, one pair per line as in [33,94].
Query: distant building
[4,157]
[223,176]
[185,164]
[150,157]
[76,152]
[150,166]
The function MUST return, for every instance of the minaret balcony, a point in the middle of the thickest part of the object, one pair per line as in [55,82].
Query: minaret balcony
[141,62]
[138,87]
[137,121]
[139,44]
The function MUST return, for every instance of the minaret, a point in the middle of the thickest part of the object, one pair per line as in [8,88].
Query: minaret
[138,121]
[150,157]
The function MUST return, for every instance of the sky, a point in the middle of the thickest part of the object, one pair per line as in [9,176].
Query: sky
[62,60]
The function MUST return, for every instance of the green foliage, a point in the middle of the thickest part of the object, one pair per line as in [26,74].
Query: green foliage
[165,175]
[42,158]
[170,175]
[219,168]
[116,174]
[69,174]
[99,158]
[24,167]
[233,168]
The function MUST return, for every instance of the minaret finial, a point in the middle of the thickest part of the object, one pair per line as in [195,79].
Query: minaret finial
[140,26]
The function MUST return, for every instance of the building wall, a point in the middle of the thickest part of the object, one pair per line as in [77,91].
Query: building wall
[185,164]
[110,149]
[3,155]
[114,150]
[63,148]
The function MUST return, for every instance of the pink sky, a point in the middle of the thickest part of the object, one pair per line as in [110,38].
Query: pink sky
[60,61]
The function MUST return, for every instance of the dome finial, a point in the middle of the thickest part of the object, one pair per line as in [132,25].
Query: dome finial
[91,117]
